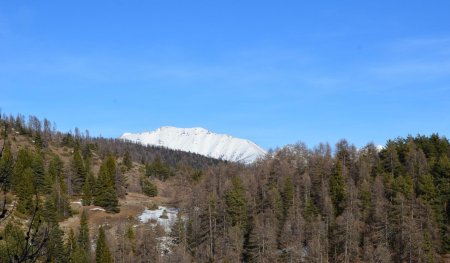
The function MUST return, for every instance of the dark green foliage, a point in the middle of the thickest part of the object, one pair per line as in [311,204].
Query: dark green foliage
[236,203]
[148,187]
[337,189]
[6,166]
[105,193]
[432,187]
[127,161]
[287,196]
[197,175]
[49,211]
[12,242]
[68,140]
[83,236]
[38,142]
[102,252]
[404,185]
[56,169]
[24,245]
[39,173]
[158,169]
[75,253]
[86,152]
[54,250]
[178,232]
[311,210]
[25,192]
[23,161]
[56,189]
[78,171]
[88,190]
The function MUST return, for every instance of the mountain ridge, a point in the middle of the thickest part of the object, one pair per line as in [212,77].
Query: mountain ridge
[199,140]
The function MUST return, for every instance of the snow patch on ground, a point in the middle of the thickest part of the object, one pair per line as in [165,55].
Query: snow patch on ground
[97,209]
[157,216]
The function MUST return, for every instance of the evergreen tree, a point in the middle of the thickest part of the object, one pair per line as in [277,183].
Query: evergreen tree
[83,236]
[23,162]
[148,187]
[25,192]
[55,251]
[6,166]
[88,190]
[56,169]
[11,243]
[75,253]
[158,169]
[39,173]
[61,201]
[236,204]
[71,244]
[49,212]
[337,189]
[102,253]
[127,162]
[106,196]
[287,196]
[79,172]
[178,232]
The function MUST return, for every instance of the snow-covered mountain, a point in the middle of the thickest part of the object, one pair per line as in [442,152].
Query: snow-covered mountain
[201,141]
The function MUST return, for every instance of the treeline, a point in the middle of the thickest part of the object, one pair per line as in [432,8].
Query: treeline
[320,205]
[296,205]
[44,133]
[42,170]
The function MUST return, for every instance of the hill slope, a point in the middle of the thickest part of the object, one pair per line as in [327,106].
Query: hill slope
[201,141]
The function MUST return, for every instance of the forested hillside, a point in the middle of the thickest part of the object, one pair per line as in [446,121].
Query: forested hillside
[324,204]
[319,205]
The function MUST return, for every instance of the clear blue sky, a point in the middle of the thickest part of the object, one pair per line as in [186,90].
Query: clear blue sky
[275,72]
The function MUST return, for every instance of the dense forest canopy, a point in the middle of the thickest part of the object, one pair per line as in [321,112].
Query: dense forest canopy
[324,204]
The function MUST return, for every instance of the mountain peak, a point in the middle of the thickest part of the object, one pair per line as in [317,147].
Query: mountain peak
[200,140]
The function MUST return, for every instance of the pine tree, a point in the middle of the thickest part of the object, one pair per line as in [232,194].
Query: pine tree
[127,162]
[61,201]
[178,232]
[56,168]
[79,172]
[337,189]
[158,169]
[39,173]
[55,251]
[83,236]
[6,166]
[88,190]
[11,243]
[71,244]
[75,253]
[106,196]
[236,203]
[287,196]
[49,212]
[148,187]
[102,253]
[23,162]
[25,192]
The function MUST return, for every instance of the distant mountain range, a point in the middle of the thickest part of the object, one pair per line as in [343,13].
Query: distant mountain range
[201,141]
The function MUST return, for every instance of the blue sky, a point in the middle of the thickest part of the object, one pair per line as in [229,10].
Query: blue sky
[275,72]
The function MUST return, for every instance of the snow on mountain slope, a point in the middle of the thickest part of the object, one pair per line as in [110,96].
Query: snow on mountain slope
[201,141]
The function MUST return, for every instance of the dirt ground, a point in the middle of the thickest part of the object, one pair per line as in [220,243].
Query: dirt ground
[130,208]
